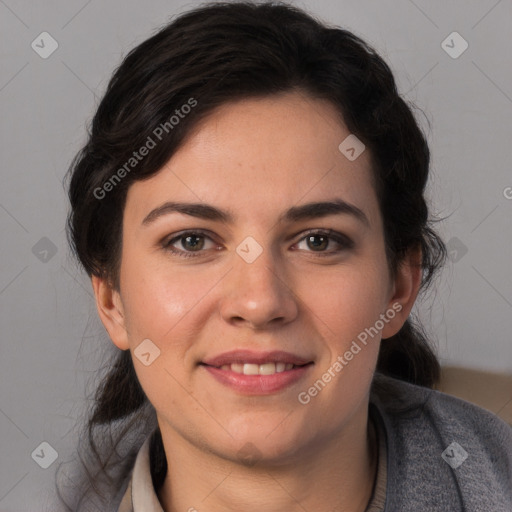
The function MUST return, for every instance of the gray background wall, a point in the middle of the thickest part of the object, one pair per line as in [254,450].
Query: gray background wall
[52,341]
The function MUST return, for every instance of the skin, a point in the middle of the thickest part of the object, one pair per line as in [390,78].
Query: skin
[257,158]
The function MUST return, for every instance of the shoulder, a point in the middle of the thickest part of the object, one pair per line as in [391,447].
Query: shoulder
[422,406]
[453,455]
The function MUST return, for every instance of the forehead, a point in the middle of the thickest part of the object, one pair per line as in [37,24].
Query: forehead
[259,156]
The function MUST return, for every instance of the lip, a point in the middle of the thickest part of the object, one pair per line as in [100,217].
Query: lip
[257,384]
[249,356]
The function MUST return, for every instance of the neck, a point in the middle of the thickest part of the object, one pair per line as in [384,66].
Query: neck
[334,474]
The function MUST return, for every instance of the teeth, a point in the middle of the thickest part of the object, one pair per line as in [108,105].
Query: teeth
[251,369]
[267,369]
[257,369]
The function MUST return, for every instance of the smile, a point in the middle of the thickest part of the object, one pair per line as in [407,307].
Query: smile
[258,369]
[258,379]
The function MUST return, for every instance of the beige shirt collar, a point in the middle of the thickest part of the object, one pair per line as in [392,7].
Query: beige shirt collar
[140,496]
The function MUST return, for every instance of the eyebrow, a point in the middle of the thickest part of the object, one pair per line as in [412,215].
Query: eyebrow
[294,214]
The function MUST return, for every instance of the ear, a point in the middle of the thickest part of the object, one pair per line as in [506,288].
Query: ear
[405,288]
[110,310]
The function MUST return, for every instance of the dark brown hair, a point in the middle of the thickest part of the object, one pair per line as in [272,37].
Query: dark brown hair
[215,54]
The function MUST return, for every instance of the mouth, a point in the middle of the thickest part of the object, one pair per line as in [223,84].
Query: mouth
[257,373]
[268,368]
[250,359]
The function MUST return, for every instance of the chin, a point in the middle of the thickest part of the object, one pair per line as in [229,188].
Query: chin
[266,442]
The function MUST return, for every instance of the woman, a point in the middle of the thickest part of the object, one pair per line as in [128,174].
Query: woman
[250,208]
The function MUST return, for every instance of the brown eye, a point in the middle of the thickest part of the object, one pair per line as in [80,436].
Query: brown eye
[317,241]
[190,242]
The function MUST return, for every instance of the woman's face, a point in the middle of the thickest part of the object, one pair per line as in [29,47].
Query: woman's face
[246,276]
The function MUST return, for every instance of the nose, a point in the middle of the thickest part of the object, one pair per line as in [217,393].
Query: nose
[258,294]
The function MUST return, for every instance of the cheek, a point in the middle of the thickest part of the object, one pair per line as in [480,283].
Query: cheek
[162,305]
[346,301]
[157,299]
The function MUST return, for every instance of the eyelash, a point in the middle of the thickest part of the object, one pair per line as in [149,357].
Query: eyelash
[345,242]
